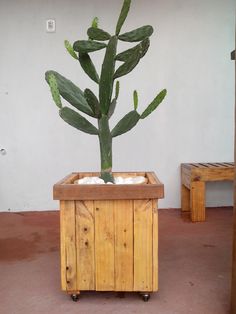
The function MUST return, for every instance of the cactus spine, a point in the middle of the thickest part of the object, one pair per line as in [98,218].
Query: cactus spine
[103,107]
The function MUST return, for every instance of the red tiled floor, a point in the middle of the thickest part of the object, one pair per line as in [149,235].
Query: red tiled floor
[194,267]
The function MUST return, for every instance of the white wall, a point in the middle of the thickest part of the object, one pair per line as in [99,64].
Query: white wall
[189,55]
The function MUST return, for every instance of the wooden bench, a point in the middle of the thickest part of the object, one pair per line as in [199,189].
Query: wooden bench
[193,178]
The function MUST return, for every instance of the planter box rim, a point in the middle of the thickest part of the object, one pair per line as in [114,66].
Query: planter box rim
[65,189]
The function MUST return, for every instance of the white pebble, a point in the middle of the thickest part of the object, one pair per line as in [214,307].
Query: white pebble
[118,180]
[91,180]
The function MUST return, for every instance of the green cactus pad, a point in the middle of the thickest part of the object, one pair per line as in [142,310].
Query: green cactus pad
[70,92]
[54,90]
[117,90]
[112,107]
[70,49]
[93,102]
[129,65]
[123,14]
[154,104]
[88,66]
[85,46]
[106,79]
[135,98]
[142,48]
[77,121]
[95,22]
[126,123]
[138,34]
[98,34]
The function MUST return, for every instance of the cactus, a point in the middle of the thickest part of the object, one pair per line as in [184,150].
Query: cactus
[142,48]
[70,49]
[88,66]
[123,14]
[107,76]
[54,90]
[93,102]
[102,107]
[98,34]
[95,22]
[85,46]
[135,98]
[138,34]
[77,121]
[126,123]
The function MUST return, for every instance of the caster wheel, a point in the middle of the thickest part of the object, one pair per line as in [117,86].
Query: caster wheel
[146,297]
[75,297]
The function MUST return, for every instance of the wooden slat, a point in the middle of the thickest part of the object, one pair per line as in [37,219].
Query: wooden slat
[204,165]
[221,164]
[197,165]
[185,188]
[185,198]
[213,174]
[226,164]
[109,192]
[155,246]
[63,245]
[213,164]
[185,166]
[104,245]
[69,178]
[68,246]
[67,191]
[186,170]
[152,178]
[197,201]
[143,245]
[129,174]
[186,179]
[85,245]
[123,213]
[194,165]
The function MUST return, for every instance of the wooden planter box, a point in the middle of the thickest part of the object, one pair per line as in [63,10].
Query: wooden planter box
[109,234]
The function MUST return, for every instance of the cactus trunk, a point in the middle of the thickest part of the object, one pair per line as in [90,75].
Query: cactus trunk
[105,141]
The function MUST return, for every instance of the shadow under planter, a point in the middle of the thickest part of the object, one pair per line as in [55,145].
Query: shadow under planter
[109,235]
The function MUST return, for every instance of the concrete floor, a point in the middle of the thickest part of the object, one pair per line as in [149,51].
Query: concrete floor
[194,268]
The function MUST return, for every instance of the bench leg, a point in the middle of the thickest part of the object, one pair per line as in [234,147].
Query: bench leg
[197,199]
[185,199]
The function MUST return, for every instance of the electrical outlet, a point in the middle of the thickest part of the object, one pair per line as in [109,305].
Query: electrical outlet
[50,26]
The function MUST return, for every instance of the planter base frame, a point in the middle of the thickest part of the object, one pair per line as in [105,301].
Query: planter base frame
[109,244]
